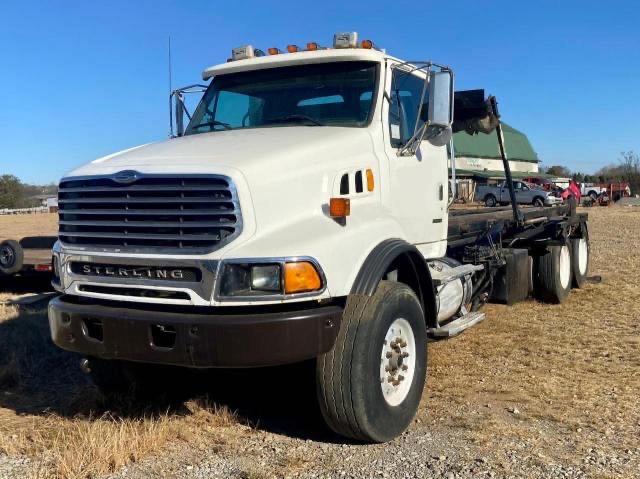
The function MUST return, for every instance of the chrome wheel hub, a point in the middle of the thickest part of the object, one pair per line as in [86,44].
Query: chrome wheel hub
[397,362]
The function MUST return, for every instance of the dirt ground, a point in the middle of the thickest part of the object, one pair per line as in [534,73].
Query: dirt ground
[18,226]
[534,391]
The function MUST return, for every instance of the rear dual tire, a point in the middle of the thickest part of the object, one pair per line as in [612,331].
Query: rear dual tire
[580,258]
[552,274]
[562,267]
[370,384]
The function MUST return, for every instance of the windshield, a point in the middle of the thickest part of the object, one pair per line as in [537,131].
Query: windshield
[329,94]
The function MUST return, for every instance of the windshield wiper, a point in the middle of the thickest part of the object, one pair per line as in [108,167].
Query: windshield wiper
[224,125]
[294,118]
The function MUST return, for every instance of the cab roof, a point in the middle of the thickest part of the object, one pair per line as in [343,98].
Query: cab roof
[297,58]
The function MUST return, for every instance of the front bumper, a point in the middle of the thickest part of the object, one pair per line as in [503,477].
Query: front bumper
[552,201]
[195,337]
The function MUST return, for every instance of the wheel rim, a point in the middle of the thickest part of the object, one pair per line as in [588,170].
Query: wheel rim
[565,267]
[583,256]
[397,362]
[7,257]
[490,201]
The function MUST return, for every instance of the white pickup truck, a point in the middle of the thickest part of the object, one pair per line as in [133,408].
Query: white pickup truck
[526,194]
[303,214]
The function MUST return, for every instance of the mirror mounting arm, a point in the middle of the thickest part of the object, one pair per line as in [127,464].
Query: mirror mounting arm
[178,96]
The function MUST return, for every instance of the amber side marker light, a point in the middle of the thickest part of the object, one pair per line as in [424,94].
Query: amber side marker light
[370,181]
[301,277]
[339,207]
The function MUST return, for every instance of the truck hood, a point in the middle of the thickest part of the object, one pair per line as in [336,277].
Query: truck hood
[243,150]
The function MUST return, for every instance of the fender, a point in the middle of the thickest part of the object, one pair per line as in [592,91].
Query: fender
[377,263]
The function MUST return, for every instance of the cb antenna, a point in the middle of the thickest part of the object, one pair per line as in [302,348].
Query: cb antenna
[170,94]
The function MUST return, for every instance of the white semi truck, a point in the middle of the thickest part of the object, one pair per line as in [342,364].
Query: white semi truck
[302,214]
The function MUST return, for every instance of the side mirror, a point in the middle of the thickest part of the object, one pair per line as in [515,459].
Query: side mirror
[438,112]
[179,102]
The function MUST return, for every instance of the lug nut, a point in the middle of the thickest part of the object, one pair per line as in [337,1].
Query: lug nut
[400,377]
[405,367]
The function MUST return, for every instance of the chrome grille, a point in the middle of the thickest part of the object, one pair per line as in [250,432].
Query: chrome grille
[181,214]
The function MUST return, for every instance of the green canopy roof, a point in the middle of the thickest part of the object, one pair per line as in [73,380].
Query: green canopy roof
[486,146]
[499,174]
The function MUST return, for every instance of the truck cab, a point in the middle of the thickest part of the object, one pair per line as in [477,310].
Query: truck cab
[302,214]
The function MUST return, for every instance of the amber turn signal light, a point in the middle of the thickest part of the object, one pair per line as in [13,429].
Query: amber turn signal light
[301,277]
[339,207]
[370,182]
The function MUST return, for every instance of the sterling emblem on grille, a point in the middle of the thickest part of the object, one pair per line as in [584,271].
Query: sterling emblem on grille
[136,272]
[127,176]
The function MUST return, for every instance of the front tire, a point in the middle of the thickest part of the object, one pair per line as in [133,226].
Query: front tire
[553,274]
[538,202]
[490,201]
[371,382]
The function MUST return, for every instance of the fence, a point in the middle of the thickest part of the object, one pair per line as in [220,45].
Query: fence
[23,211]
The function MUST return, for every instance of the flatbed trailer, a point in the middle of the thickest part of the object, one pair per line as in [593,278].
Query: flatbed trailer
[466,224]
[29,255]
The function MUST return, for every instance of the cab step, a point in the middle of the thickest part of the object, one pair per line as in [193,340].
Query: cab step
[445,276]
[456,326]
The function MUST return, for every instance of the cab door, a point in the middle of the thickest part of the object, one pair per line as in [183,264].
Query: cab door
[418,183]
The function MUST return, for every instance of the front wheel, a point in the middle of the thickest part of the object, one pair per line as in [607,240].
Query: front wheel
[371,382]
[538,202]
[490,201]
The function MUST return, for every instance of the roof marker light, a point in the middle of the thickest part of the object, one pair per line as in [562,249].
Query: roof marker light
[312,46]
[368,44]
[345,40]
[274,51]
[292,48]
[242,53]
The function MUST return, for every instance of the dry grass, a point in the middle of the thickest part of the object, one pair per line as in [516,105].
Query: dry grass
[573,370]
[80,447]
[50,413]
[19,226]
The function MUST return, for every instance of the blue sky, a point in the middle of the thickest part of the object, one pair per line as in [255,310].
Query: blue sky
[80,80]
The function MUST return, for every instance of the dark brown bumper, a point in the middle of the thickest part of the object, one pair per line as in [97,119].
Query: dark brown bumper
[217,338]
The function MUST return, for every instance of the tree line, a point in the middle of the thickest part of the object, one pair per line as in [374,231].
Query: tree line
[626,170]
[16,194]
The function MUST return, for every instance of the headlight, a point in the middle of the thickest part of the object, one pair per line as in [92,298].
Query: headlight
[266,278]
[255,279]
